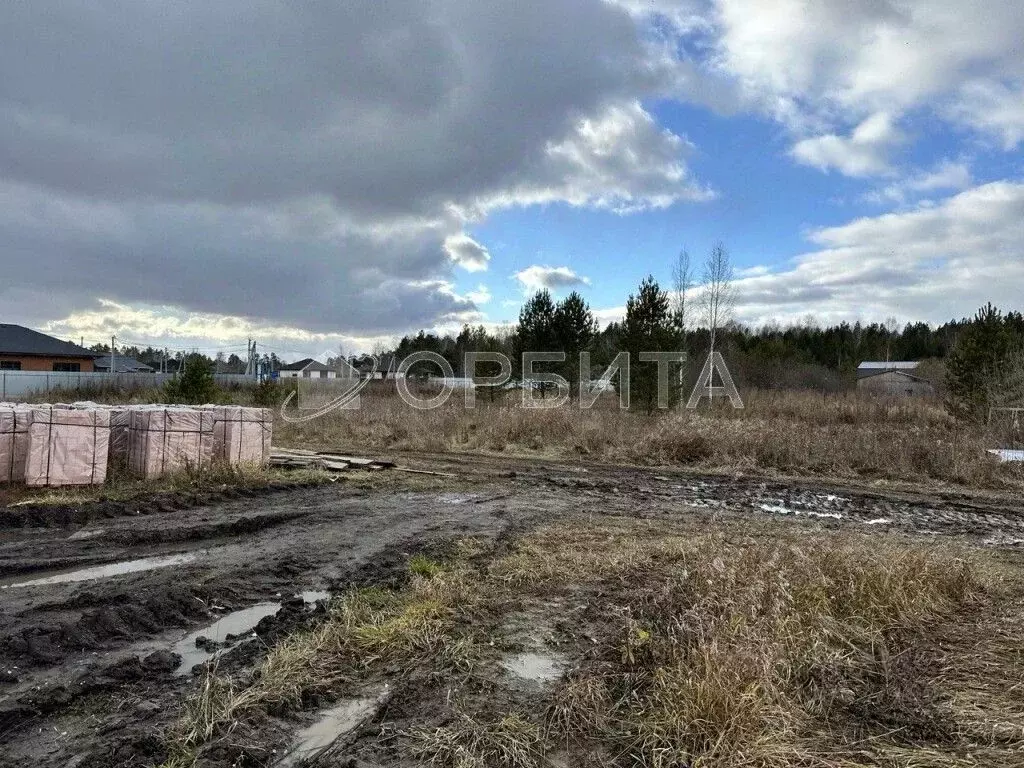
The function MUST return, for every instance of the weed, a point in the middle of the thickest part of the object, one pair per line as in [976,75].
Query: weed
[511,741]
[421,565]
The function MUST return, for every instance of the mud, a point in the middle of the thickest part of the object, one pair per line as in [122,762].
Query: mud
[104,603]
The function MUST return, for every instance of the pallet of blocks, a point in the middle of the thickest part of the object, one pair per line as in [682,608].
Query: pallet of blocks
[14,421]
[66,447]
[163,440]
[242,435]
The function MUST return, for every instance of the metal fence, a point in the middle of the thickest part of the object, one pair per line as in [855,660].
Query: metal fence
[19,384]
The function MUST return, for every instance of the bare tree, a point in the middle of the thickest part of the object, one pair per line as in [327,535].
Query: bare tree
[718,297]
[719,294]
[682,282]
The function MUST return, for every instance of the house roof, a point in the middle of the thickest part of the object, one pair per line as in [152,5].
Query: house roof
[122,364]
[308,364]
[872,368]
[895,365]
[870,373]
[19,340]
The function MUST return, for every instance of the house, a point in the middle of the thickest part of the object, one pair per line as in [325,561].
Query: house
[122,364]
[892,378]
[307,369]
[386,367]
[22,349]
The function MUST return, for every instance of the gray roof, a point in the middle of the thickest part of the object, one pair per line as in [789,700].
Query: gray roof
[122,364]
[19,340]
[871,373]
[873,368]
[309,364]
[895,365]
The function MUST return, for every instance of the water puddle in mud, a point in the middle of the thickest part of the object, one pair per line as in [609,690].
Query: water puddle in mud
[235,624]
[86,534]
[106,571]
[536,667]
[334,723]
[314,596]
[781,510]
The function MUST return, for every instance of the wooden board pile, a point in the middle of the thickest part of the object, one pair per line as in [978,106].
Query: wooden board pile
[296,458]
[54,445]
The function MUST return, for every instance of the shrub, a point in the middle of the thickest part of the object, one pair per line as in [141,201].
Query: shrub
[194,383]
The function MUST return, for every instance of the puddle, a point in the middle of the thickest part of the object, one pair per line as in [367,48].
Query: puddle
[83,534]
[535,667]
[108,570]
[786,511]
[456,498]
[234,623]
[334,723]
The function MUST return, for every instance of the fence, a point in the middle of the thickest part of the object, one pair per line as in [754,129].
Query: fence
[19,384]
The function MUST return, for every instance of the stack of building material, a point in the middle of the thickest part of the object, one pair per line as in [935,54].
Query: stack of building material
[120,418]
[14,420]
[67,446]
[242,435]
[163,440]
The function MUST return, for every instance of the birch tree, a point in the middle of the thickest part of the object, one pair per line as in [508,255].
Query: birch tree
[718,298]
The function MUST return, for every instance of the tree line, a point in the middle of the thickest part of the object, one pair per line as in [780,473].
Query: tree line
[983,354]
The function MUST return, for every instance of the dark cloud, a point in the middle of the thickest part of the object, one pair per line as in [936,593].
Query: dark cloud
[305,162]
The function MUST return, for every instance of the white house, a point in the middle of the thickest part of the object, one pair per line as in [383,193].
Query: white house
[307,369]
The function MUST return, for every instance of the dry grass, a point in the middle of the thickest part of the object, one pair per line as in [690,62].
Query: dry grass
[365,629]
[791,432]
[511,741]
[753,646]
[730,652]
[123,486]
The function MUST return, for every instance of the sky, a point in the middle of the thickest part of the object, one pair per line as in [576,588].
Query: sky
[332,175]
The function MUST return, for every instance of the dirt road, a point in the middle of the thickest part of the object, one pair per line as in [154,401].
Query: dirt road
[101,606]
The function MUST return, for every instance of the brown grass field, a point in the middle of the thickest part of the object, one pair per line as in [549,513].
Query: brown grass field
[789,432]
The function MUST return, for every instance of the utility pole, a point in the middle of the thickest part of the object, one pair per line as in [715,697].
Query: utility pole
[113,370]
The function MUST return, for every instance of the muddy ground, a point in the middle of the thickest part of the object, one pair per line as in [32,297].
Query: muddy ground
[101,604]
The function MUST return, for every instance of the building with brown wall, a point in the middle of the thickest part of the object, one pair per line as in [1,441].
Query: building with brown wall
[22,349]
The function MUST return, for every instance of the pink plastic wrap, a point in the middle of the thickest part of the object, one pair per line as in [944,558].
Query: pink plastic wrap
[166,440]
[67,447]
[242,435]
[13,442]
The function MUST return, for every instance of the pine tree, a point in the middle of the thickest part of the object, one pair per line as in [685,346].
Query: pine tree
[649,327]
[194,383]
[536,331]
[574,330]
[981,366]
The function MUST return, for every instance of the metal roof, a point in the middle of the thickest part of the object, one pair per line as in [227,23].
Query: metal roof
[904,365]
[307,364]
[19,340]
[122,364]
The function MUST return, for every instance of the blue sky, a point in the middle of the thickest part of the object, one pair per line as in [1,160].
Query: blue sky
[338,174]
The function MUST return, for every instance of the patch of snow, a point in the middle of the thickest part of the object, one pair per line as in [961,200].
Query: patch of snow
[780,510]
[1005,455]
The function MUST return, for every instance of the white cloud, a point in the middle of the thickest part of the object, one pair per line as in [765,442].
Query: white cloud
[864,153]
[482,295]
[538,277]
[932,262]
[823,67]
[467,252]
[620,160]
[946,175]
[182,330]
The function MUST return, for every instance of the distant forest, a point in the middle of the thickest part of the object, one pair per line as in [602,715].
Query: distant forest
[800,356]
[797,356]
